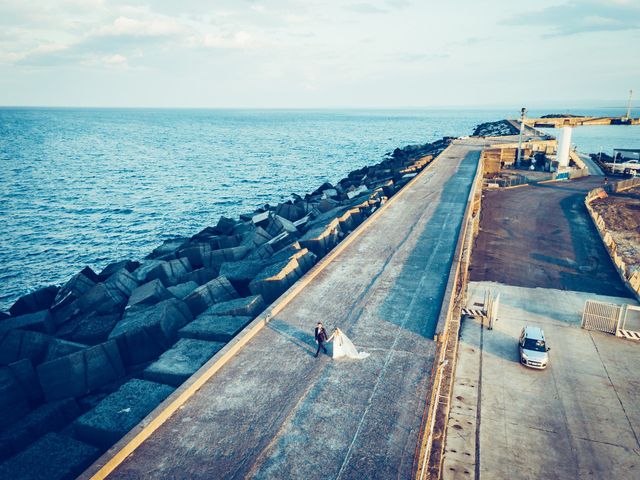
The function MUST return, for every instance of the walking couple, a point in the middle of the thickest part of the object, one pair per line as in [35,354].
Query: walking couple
[342,346]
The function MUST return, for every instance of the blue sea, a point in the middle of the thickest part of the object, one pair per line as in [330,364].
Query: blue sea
[91,186]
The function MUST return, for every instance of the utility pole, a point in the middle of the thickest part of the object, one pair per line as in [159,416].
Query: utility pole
[629,105]
[523,111]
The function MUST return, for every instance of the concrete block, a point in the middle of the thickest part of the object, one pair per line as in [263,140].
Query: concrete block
[282,240]
[195,252]
[283,254]
[262,252]
[61,348]
[33,302]
[129,265]
[277,225]
[322,238]
[276,278]
[322,188]
[47,418]
[18,344]
[52,457]
[330,193]
[149,294]
[247,307]
[350,219]
[182,290]
[327,204]
[356,192]
[14,399]
[216,258]
[109,296]
[170,272]
[145,267]
[90,329]
[255,237]
[201,275]
[215,291]
[241,273]
[119,412]
[25,375]
[146,332]
[38,347]
[105,297]
[41,321]
[181,361]
[64,307]
[261,218]
[81,372]
[225,225]
[290,211]
[243,227]
[198,252]
[80,283]
[214,327]
[168,248]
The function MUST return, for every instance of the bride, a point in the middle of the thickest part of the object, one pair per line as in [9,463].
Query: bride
[343,347]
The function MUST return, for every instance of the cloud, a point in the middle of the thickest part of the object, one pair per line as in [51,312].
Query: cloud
[586,16]
[153,27]
[366,8]
[134,32]
[237,40]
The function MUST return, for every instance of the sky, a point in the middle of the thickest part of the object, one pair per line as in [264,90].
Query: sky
[315,54]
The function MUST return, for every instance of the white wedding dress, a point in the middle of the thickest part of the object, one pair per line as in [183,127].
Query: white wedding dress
[343,347]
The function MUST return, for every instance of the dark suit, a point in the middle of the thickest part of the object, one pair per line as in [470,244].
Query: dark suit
[321,337]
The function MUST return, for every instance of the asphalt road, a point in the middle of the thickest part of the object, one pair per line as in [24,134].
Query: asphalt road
[275,411]
[541,236]
[578,419]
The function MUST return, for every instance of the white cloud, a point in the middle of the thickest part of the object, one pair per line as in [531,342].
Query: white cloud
[153,27]
[235,40]
[115,60]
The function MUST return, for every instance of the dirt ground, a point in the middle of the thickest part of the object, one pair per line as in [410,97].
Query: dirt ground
[541,236]
[621,214]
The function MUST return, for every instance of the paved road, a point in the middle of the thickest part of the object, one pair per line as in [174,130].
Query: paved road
[594,168]
[541,236]
[578,419]
[275,411]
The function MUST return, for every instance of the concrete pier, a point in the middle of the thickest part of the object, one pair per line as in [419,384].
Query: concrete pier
[274,411]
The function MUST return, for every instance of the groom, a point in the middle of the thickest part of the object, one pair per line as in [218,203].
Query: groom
[321,337]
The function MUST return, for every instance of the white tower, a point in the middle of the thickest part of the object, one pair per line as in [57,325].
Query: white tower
[564,145]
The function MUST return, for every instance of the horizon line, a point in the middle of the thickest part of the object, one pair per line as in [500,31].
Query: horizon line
[334,107]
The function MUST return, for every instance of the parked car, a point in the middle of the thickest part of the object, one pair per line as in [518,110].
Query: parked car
[533,348]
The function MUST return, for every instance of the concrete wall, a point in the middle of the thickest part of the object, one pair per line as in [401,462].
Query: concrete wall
[575,121]
[629,277]
[442,375]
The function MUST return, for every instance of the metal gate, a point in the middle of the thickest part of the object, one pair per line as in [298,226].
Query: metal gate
[602,316]
[630,326]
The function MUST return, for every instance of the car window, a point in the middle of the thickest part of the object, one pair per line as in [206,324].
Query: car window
[535,345]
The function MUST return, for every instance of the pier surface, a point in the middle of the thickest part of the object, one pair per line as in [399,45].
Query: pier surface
[275,411]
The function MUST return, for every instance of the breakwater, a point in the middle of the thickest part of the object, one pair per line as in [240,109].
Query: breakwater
[85,362]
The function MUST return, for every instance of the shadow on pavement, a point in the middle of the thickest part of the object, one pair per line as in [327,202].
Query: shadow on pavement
[494,342]
[304,340]
[415,300]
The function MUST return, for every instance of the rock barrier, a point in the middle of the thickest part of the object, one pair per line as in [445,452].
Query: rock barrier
[74,357]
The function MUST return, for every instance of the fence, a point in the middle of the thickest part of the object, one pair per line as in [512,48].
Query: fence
[601,316]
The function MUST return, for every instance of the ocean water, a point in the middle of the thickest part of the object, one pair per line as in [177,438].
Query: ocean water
[91,186]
